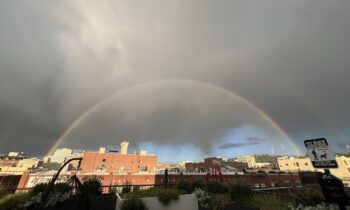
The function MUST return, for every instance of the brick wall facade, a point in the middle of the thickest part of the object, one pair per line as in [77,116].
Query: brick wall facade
[119,163]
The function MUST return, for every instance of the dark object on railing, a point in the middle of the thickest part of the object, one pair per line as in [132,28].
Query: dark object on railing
[166,179]
[333,190]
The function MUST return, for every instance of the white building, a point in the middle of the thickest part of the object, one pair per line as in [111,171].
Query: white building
[59,156]
[295,164]
[247,159]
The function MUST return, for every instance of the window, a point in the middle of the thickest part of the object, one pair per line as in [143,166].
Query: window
[274,184]
[306,164]
[257,185]
[349,170]
[286,164]
[345,162]
[103,160]
[297,164]
[286,183]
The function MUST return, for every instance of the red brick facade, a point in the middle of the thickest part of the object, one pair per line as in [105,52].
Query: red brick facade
[118,163]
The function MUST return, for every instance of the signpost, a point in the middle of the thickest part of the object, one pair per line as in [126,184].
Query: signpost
[320,153]
[322,156]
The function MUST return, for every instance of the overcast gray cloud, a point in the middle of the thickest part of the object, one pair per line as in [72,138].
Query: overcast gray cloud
[57,59]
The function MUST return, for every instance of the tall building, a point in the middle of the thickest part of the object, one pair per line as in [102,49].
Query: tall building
[119,163]
[124,147]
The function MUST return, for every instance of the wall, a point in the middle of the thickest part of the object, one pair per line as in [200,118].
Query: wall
[113,162]
[304,164]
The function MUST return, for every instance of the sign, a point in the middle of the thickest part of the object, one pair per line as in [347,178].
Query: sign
[320,153]
[34,180]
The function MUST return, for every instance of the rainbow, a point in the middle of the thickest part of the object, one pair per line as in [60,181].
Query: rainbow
[229,92]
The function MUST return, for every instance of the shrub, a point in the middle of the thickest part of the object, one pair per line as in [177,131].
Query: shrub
[112,190]
[184,185]
[197,184]
[14,201]
[239,193]
[3,193]
[61,188]
[203,197]
[307,198]
[133,204]
[126,188]
[39,188]
[219,201]
[165,195]
[216,188]
[270,203]
[92,185]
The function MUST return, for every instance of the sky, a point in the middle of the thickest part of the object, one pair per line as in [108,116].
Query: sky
[182,79]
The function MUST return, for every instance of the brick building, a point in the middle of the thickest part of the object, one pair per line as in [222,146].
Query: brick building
[215,163]
[95,162]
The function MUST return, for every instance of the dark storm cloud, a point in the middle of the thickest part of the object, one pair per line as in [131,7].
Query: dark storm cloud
[249,142]
[290,58]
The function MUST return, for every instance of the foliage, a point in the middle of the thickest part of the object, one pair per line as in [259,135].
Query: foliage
[239,192]
[165,195]
[259,202]
[57,197]
[39,188]
[92,185]
[3,193]
[216,188]
[307,198]
[197,184]
[61,187]
[189,186]
[60,192]
[126,188]
[184,185]
[203,197]
[133,204]
[219,201]
[112,190]
[14,201]
[322,206]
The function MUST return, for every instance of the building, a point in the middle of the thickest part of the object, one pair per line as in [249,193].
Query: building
[294,164]
[59,156]
[120,163]
[215,164]
[16,163]
[250,160]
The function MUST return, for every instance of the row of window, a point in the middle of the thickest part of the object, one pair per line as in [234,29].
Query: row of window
[104,160]
[295,164]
